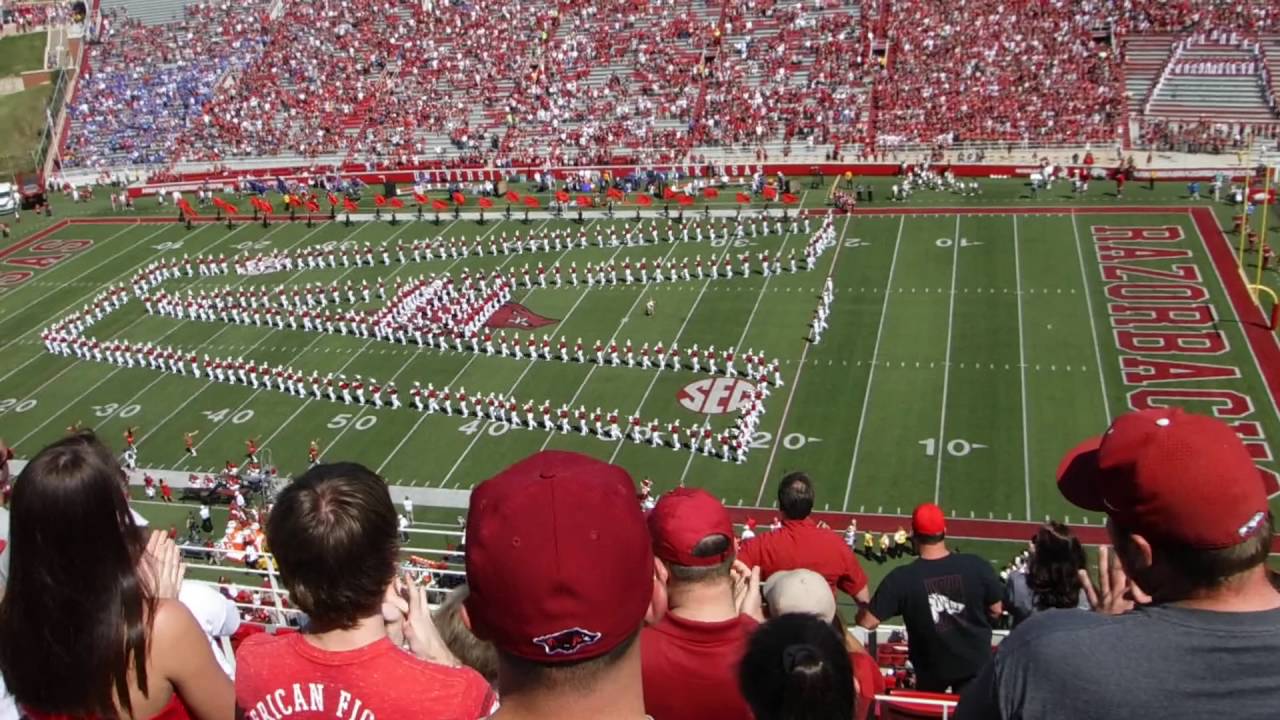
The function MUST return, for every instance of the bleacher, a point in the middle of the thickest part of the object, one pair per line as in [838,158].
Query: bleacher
[1144,57]
[148,12]
[1220,96]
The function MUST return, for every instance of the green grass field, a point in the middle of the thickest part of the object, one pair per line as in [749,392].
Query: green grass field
[20,53]
[21,125]
[967,352]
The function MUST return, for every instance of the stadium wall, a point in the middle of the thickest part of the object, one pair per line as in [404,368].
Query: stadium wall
[437,174]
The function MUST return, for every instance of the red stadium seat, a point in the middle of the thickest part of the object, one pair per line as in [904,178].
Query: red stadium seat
[903,709]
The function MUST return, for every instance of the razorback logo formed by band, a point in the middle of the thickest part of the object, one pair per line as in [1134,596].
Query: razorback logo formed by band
[515,315]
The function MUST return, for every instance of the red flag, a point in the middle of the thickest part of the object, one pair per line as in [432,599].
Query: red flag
[684,199]
[643,199]
[219,202]
[459,199]
[333,199]
[531,201]
[743,198]
[562,196]
[397,203]
[350,206]
[789,199]
[379,200]
[313,206]
[770,193]
[231,209]
[420,198]
[668,194]
[710,193]
[266,205]
[439,205]
[485,203]
[615,193]
[513,196]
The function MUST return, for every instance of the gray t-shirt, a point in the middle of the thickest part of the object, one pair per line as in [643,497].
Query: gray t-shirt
[1161,662]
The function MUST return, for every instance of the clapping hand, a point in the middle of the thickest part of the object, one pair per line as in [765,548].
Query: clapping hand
[162,568]
[746,590]
[1120,593]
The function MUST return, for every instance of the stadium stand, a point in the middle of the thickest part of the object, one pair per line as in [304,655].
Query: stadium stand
[411,84]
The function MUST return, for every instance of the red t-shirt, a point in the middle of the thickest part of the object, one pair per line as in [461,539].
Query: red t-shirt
[802,544]
[279,675]
[870,683]
[690,668]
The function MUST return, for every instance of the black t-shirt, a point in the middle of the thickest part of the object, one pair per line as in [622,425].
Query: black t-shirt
[944,605]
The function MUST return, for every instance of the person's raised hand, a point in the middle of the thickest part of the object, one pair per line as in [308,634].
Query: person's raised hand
[420,629]
[162,567]
[1116,593]
[746,590]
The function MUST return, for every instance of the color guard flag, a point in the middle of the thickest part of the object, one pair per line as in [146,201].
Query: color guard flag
[684,199]
[743,198]
[644,200]
[770,193]
[584,201]
[615,193]
[439,205]
[485,203]
[710,193]
[313,206]
[420,198]
[397,203]
[668,194]
[379,200]
[513,196]
[333,199]
[562,196]
[459,199]
[350,206]
[789,199]
[531,201]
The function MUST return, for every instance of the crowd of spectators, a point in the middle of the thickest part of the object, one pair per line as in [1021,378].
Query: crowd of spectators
[145,85]
[580,603]
[494,83]
[29,16]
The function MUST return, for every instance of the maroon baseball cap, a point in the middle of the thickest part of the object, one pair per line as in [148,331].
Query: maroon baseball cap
[559,564]
[1171,475]
[927,519]
[683,518]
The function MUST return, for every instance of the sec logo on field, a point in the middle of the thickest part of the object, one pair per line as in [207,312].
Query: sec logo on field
[715,396]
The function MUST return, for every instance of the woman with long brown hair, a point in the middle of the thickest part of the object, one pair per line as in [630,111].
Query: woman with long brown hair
[86,629]
[1051,578]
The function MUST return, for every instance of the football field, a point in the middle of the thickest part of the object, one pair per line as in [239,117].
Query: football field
[967,351]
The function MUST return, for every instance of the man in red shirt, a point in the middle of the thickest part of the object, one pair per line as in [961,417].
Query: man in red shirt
[800,543]
[334,535]
[560,578]
[690,655]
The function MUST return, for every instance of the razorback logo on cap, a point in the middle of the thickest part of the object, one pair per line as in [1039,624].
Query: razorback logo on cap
[567,642]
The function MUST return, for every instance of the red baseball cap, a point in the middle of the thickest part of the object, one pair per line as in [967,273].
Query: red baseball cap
[559,564]
[683,518]
[1172,475]
[927,519]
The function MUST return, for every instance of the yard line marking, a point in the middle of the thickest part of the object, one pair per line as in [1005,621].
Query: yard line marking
[552,433]
[680,333]
[98,288]
[946,372]
[1022,372]
[404,440]
[364,409]
[206,345]
[1093,326]
[58,315]
[117,369]
[875,356]
[795,382]
[763,288]
[591,371]
[308,347]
